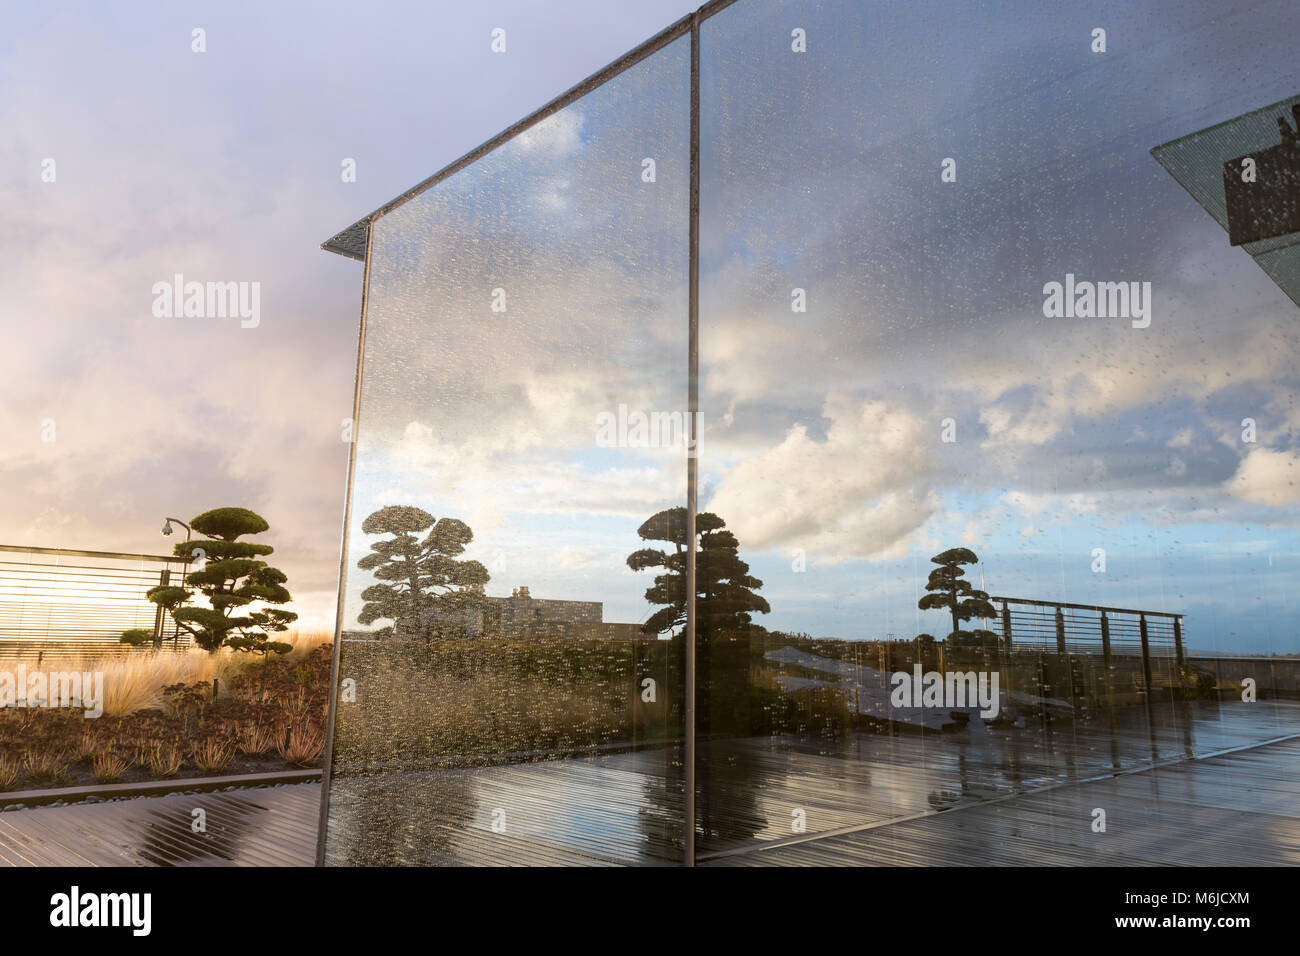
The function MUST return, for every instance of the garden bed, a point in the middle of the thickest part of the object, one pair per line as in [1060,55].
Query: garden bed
[266,716]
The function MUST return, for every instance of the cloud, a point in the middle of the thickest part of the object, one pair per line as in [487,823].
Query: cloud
[859,492]
[559,134]
[1267,477]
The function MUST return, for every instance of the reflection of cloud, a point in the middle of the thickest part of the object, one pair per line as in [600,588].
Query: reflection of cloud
[496,473]
[859,492]
[575,558]
[929,299]
[555,197]
[1034,427]
[1051,508]
[560,133]
[1267,477]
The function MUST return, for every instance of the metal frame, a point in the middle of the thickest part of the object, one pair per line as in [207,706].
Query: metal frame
[327,764]
[692,460]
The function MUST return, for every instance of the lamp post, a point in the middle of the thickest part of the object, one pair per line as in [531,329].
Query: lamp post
[166,579]
[167,527]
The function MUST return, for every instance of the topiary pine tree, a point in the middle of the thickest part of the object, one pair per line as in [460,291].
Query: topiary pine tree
[228,573]
[725,589]
[950,589]
[419,577]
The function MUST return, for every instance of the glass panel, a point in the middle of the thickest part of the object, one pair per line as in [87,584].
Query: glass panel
[949,301]
[524,385]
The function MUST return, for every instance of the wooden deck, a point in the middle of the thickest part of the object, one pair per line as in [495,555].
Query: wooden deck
[265,826]
[997,798]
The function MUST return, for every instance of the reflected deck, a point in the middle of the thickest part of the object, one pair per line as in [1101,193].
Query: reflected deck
[1236,809]
[626,808]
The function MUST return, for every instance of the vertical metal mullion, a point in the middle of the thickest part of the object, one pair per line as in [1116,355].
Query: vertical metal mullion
[343,564]
[693,400]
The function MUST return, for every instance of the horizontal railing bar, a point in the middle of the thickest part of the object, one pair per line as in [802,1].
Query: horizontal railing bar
[1083,607]
[136,591]
[89,597]
[51,574]
[25,570]
[90,554]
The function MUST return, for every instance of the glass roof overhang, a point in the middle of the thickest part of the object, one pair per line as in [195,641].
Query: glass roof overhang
[1208,165]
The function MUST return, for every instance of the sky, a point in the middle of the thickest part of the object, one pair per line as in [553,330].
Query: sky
[821,430]
[226,165]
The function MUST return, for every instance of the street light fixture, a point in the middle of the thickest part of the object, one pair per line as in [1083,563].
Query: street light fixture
[167,527]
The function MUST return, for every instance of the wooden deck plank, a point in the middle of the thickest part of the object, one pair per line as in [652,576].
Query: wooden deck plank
[269,826]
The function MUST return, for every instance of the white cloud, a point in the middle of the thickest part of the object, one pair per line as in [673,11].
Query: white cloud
[560,133]
[861,492]
[1267,477]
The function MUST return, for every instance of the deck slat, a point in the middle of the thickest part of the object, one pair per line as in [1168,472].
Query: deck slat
[267,826]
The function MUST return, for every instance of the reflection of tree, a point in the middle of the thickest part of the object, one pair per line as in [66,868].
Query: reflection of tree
[949,589]
[724,587]
[726,797]
[724,600]
[169,838]
[927,650]
[663,807]
[402,819]
[418,576]
[941,800]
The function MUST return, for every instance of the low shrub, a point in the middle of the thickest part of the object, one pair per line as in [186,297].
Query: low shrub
[109,765]
[212,754]
[163,760]
[303,746]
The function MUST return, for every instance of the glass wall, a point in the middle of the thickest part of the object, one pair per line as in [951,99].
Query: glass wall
[526,326]
[962,339]
[995,448]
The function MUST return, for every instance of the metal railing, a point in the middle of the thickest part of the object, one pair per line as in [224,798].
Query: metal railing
[61,601]
[1088,628]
